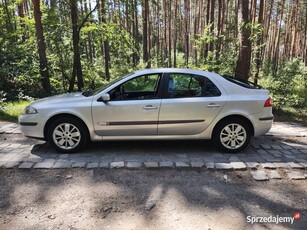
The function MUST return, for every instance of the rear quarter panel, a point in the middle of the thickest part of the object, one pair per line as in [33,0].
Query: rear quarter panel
[245,102]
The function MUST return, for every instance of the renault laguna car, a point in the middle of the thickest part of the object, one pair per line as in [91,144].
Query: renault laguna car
[154,104]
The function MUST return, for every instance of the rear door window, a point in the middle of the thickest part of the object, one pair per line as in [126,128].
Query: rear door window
[186,85]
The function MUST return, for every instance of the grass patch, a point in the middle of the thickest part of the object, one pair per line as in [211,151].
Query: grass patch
[291,114]
[10,111]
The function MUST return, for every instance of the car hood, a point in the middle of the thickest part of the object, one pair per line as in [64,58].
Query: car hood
[59,98]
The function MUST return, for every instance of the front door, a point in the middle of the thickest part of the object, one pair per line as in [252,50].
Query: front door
[133,108]
[190,104]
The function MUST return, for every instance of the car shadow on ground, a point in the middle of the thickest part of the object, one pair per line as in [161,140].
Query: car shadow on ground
[261,150]
[155,147]
[171,146]
[137,147]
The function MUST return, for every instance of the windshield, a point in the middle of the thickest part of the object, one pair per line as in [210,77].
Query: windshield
[109,84]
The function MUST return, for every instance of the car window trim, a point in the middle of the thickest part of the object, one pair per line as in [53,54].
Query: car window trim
[159,94]
[167,77]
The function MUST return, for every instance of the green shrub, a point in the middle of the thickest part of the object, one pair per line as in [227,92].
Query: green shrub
[10,111]
[289,86]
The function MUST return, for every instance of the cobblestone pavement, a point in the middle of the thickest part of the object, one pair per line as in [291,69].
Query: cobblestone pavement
[288,129]
[266,157]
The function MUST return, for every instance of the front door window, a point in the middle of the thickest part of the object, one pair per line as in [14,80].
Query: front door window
[140,88]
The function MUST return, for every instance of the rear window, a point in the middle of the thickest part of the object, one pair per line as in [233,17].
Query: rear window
[243,83]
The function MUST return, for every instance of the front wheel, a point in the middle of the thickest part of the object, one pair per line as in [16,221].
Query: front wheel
[232,135]
[67,135]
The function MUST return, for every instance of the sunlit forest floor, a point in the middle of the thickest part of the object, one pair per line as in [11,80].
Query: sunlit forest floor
[148,199]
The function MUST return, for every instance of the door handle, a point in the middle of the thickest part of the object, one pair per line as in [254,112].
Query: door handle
[213,105]
[150,107]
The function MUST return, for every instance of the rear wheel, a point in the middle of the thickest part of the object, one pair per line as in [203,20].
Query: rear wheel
[67,135]
[232,135]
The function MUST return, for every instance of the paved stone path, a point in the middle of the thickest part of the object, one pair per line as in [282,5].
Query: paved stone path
[11,128]
[265,158]
[288,129]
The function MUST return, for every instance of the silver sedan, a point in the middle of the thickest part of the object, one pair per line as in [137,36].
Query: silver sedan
[154,104]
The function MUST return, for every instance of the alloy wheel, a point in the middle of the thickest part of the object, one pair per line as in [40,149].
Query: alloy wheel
[233,136]
[66,136]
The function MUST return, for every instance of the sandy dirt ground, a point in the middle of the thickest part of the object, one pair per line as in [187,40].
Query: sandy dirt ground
[145,199]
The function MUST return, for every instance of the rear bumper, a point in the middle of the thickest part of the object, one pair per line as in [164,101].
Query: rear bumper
[262,127]
[262,123]
[266,118]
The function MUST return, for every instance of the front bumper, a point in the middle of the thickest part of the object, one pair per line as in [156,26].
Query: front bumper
[32,125]
[28,123]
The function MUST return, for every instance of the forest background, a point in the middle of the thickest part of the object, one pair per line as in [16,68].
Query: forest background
[54,46]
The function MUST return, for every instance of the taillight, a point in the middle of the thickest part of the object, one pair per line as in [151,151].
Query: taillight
[268,103]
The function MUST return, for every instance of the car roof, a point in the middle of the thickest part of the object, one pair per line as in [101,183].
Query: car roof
[173,70]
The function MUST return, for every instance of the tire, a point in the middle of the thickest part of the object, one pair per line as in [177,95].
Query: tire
[232,135]
[67,135]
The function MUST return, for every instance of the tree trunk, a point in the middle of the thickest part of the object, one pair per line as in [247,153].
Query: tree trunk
[77,69]
[276,48]
[43,63]
[196,28]
[127,16]
[201,26]
[253,11]
[91,46]
[21,14]
[106,46]
[165,33]
[207,23]
[222,26]
[175,34]
[305,41]
[272,39]
[186,31]
[259,40]
[212,5]
[157,15]
[169,34]
[145,33]
[219,28]
[293,51]
[243,63]
[84,10]
[135,55]
[149,36]
[236,4]
[227,20]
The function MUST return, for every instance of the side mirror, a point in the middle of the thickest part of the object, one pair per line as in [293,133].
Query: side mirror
[105,97]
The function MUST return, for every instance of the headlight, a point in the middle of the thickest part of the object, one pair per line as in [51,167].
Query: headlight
[30,110]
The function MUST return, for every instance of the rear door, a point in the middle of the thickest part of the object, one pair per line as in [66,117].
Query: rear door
[189,105]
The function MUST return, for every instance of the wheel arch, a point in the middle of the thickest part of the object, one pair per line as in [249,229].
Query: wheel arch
[236,116]
[62,115]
